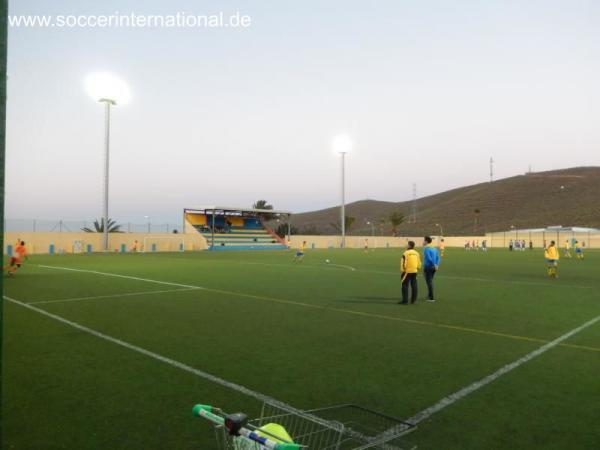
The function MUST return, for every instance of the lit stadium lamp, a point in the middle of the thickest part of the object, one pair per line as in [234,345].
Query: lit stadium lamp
[106,88]
[342,144]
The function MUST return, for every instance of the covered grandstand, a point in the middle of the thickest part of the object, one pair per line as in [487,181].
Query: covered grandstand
[230,228]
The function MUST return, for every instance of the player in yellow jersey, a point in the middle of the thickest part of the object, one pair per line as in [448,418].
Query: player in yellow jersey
[442,247]
[366,245]
[552,256]
[578,250]
[567,249]
[409,267]
[300,252]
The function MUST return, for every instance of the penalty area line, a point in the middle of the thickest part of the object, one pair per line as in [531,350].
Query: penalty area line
[320,307]
[127,277]
[467,390]
[98,297]
[171,362]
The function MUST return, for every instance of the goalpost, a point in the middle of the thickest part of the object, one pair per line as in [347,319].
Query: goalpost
[153,244]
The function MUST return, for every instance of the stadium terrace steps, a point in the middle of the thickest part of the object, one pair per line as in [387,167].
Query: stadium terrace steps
[240,238]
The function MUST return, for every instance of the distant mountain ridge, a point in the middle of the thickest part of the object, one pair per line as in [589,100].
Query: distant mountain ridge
[568,197]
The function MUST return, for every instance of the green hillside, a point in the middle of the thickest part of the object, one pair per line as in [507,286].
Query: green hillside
[569,197]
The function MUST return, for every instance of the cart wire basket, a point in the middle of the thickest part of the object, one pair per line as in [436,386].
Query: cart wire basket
[340,427]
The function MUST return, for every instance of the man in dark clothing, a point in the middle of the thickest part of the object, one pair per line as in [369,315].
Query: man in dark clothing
[431,263]
[409,267]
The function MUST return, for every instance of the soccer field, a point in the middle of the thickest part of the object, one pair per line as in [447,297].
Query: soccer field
[114,354]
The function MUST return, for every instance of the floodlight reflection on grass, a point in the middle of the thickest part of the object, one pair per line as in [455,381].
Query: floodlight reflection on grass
[104,86]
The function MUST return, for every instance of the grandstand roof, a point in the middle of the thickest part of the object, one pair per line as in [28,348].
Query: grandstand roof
[236,209]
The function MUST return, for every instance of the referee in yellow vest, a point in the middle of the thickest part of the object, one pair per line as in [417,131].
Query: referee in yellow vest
[409,267]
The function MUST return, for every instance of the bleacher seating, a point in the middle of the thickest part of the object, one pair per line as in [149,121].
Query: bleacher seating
[236,233]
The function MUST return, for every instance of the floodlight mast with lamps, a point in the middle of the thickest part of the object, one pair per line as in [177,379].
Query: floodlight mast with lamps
[106,88]
[107,105]
[342,144]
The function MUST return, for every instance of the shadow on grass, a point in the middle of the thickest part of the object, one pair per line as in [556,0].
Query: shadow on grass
[372,300]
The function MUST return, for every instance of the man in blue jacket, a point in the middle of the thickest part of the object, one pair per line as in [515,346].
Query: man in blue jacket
[431,263]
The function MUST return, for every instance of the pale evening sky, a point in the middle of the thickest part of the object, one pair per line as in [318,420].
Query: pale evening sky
[428,90]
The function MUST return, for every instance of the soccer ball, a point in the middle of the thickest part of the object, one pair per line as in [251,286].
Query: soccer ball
[327,261]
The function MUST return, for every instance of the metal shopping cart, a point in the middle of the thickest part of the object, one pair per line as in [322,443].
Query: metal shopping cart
[279,427]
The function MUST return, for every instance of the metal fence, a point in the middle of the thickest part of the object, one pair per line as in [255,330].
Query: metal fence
[68,226]
[540,239]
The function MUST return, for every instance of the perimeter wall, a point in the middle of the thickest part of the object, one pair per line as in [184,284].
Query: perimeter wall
[80,242]
[494,240]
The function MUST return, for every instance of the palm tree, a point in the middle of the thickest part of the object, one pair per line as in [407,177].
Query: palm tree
[396,219]
[282,230]
[263,204]
[348,222]
[381,224]
[99,227]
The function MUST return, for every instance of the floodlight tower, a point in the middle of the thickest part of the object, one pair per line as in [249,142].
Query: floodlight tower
[342,144]
[107,89]
[414,203]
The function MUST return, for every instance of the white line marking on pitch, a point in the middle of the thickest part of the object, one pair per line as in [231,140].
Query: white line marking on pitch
[171,362]
[306,305]
[127,277]
[340,265]
[456,396]
[486,280]
[306,266]
[383,272]
[97,297]
[383,437]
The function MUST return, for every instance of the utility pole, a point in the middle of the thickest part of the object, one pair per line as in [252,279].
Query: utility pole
[414,204]
[491,169]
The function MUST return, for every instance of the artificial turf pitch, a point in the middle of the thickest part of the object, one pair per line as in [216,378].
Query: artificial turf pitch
[310,334]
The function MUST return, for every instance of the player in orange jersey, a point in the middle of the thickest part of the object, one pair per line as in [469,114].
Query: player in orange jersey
[17,259]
